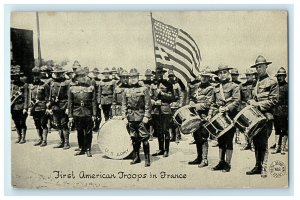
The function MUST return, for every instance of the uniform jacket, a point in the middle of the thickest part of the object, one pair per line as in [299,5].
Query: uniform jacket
[232,98]
[246,93]
[192,90]
[136,103]
[82,99]
[203,97]
[118,99]
[282,107]
[266,93]
[19,88]
[166,96]
[178,96]
[96,83]
[59,94]
[39,95]
[106,90]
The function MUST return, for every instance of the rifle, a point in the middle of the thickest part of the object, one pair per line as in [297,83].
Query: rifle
[15,97]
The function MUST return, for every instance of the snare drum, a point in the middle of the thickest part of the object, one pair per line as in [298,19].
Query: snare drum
[218,125]
[187,118]
[249,121]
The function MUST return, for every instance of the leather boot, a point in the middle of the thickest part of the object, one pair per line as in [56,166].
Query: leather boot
[277,149]
[151,132]
[204,161]
[23,135]
[161,148]
[237,137]
[228,160]
[167,145]
[61,137]
[39,133]
[221,164]
[257,167]
[19,135]
[45,134]
[198,160]
[283,144]
[264,158]
[136,148]
[172,135]
[146,148]
[66,136]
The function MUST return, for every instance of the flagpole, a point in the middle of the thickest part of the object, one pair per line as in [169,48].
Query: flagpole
[38,40]
[153,39]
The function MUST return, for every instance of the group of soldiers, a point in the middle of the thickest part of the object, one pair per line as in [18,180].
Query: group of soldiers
[72,97]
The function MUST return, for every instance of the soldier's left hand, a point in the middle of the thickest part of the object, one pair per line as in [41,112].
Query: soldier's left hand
[24,111]
[145,120]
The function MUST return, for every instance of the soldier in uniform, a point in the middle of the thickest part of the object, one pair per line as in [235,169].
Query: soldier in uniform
[105,94]
[116,107]
[235,78]
[225,99]
[39,96]
[96,82]
[148,83]
[19,103]
[58,104]
[136,106]
[281,123]
[82,110]
[114,74]
[265,99]
[246,95]
[162,96]
[202,104]
[175,105]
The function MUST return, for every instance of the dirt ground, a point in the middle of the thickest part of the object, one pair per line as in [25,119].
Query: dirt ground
[38,167]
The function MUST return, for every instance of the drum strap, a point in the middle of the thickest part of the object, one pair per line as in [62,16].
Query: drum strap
[256,88]
[222,92]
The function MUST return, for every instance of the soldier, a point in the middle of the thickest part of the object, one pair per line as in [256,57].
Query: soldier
[39,95]
[225,99]
[58,103]
[265,99]
[281,123]
[19,103]
[105,94]
[114,74]
[96,82]
[163,96]
[82,110]
[203,97]
[116,107]
[87,71]
[148,83]
[46,73]
[235,78]
[136,106]
[175,105]
[246,95]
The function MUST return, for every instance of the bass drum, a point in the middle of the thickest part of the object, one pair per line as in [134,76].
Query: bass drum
[114,140]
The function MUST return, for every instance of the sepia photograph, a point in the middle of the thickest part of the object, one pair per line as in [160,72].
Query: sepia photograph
[149,100]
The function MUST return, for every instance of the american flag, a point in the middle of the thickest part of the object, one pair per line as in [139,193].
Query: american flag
[176,49]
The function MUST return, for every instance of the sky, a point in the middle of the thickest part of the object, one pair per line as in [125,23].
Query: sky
[124,39]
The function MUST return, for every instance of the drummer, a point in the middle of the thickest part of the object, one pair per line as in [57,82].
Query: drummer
[202,104]
[225,99]
[266,94]
[136,107]
[246,95]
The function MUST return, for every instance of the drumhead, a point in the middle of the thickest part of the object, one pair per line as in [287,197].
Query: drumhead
[114,140]
[190,125]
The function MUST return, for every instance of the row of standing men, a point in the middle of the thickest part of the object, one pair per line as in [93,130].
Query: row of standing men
[148,107]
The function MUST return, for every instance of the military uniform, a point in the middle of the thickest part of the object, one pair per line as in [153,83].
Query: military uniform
[58,104]
[266,96]
[39,96]
[19,106]
[148,83]
[82,109]
[105,95]
[136,106]
[96,83]
[227,95]
[281,115]
[116,107]
[162,97]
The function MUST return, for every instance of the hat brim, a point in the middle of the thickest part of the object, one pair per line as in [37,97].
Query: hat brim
[280,74]
[217,71]
[58,71]
[254,66]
